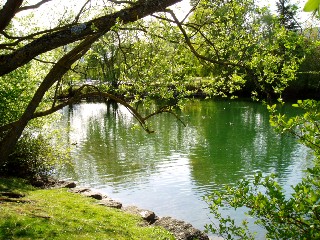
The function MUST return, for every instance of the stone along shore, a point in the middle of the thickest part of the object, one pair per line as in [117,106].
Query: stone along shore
[180,229]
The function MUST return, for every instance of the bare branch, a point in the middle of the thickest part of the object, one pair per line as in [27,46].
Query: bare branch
[8,36]
[165,109]
[163,18]
[120,47]
[33,6]
[81,11]
[121,2]
[43,61]
[191,11]
[145,30]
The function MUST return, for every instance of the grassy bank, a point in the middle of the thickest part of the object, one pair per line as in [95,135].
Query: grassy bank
[59,214]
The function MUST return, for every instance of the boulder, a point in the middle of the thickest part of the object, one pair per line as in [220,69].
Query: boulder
[146,215]
[88,193]
[94,195]
[65,184]
[180,229]
[108,202]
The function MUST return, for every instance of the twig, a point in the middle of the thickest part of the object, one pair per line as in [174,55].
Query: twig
[32,6]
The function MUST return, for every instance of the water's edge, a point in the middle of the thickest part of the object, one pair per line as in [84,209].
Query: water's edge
[181,230]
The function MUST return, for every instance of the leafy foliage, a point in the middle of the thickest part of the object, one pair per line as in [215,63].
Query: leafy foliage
[312,6]
[140,64]
[293,218]
[246,47]
[34,156]
[305,127]
[12,88]
[283,217]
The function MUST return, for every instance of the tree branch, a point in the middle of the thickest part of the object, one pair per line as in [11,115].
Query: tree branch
[121,2]
[194,51]
[47,42]
[8,11]
[80,96]
[81,11]
[33,6]
[43,61]
[29,37]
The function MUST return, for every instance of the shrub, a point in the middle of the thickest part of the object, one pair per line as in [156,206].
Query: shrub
[33,157]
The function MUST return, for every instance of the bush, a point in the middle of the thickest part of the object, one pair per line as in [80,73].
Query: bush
[33,157]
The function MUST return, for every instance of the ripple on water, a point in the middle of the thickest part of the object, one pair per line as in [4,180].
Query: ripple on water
[170,171]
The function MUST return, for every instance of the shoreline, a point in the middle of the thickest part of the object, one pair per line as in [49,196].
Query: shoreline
[181,230]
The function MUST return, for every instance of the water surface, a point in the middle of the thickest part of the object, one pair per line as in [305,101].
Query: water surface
[171,170]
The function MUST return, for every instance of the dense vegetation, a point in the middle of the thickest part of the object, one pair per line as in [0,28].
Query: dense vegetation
[220,48]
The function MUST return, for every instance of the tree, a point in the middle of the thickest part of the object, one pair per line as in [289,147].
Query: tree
[287,15]
[18,51]
[243,48]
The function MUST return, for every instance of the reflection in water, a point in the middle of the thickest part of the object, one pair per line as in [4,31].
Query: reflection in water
[169,171]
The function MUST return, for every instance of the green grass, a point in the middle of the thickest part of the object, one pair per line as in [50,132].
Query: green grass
[58,214]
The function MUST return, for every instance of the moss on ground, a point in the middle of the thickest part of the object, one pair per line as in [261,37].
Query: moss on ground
[59,214]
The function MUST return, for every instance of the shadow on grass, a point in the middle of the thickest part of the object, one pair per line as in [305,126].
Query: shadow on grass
[14,185]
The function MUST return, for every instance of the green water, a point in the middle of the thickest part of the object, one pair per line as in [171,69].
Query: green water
[169,171]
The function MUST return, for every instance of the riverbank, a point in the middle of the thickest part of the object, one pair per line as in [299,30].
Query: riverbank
[66,212]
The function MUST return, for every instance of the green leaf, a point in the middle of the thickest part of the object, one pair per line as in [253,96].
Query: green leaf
[311,5]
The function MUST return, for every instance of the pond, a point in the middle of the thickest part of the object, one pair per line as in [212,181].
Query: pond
[170,170]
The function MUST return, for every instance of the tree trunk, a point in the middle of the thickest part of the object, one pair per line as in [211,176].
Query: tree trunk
[9,142]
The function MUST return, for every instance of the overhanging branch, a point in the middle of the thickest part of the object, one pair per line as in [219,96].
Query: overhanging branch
[33,6]
[78,97]
[193,50]
[101,25]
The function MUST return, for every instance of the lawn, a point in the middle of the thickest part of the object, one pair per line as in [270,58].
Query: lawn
[59,214]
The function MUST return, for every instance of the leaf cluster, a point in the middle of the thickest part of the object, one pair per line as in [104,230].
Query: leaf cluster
[293,218]
[241,41]
[305,126]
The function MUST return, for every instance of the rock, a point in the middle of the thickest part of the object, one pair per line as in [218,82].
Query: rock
[146,215]
[65,184]
[87,192]
[180,229]
[43,182]
[94,195]
[108,202]
[80,190]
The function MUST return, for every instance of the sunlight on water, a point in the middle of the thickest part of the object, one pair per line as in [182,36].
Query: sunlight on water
[170,171]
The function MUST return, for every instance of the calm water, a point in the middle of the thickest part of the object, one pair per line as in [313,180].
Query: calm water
[170,171]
